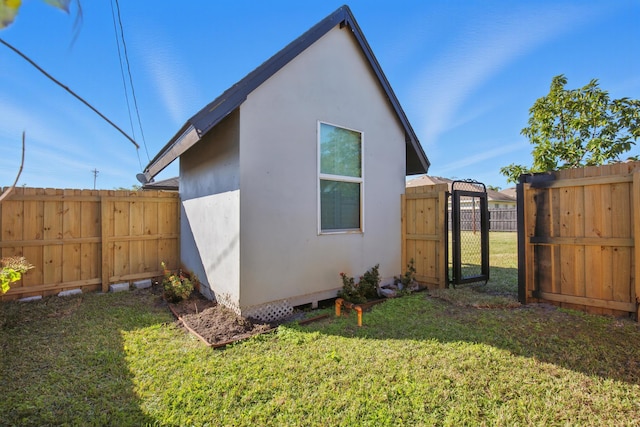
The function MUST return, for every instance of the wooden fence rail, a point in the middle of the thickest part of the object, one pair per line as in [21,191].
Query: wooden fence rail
[88,239]
[578,238]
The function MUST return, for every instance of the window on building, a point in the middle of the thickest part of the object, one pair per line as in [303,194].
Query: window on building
[340,179]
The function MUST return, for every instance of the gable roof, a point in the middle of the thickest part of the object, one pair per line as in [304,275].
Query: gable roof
[213,113]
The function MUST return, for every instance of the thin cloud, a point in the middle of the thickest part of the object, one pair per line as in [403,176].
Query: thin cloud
[172,77]
[482,52]
[480,157]
[49,152]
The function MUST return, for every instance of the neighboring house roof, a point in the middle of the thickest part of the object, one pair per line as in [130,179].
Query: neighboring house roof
[208,117]
[493,196]
[170,184]
[511,192]
[428,180]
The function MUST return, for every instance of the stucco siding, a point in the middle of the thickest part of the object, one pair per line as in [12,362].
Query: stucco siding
[281,253]
[210,195]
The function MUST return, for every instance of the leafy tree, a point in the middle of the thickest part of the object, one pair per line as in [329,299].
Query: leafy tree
[493,188]
[9,9]
[134,187]
[577,127]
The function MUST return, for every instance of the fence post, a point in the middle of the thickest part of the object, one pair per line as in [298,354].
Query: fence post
[104,221]
[636,240]
[522,235]
[403,232]
[442,215]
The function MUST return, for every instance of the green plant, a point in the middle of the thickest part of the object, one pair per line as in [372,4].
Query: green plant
[365,289]
[369,282]
[350,291]
[176,287]
[571,128]
[406,282]
[12,270]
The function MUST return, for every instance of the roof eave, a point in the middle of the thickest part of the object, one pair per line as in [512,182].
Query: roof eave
[186,138]
[209,116]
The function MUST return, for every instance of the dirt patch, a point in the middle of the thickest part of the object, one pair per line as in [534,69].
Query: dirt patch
[217,324]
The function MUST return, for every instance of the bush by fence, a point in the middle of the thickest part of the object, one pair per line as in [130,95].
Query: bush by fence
[88,239]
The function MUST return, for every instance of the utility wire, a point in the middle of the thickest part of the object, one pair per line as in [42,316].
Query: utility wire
[133,92]
[78,97]
[124,82]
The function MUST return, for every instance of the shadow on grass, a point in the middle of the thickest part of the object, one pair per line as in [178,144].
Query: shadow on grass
[589,344]
[63,360]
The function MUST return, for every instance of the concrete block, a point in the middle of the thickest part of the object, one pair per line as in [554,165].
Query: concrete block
[142,284]
[388,293]
[29,299]
[119,287]
[70,292]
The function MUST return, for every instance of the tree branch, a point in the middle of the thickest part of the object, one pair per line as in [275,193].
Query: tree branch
[78,97]
[8,191]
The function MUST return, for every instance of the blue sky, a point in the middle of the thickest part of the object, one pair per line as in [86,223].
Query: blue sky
[465,72]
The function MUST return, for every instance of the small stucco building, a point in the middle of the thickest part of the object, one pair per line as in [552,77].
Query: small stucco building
[294,175]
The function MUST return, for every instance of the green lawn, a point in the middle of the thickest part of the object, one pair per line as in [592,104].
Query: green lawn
[119,359]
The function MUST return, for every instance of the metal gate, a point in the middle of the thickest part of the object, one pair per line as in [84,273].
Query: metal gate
[469,227]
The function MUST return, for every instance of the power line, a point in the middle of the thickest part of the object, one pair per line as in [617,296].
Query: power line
[78,97]
[124,84]
[133,92]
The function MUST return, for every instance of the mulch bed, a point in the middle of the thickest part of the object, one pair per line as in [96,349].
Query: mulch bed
[217,325]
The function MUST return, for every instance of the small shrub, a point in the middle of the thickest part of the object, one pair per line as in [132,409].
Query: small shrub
[369,283]
[350,291]
[407,282]
[365,289]
[176,287]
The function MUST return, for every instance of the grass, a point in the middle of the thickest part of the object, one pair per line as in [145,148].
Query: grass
[502,288]
[119,359]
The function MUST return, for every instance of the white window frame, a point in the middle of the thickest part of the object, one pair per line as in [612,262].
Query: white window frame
[340,178]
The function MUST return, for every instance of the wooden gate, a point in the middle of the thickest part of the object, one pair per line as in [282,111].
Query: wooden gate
[578,237]
[424,233]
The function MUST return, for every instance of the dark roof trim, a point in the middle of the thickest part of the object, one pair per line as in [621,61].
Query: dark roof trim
[170,184]
[212,114]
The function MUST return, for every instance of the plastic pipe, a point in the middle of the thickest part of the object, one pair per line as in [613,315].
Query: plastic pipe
[339,302]
[359,311]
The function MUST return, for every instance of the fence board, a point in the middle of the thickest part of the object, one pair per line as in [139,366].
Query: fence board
[87,238]
[423,233]
[580,230]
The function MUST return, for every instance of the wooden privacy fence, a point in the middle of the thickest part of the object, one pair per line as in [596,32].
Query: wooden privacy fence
[500,219]
[579,237]
[424,237]
[88,239]
[503,219]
